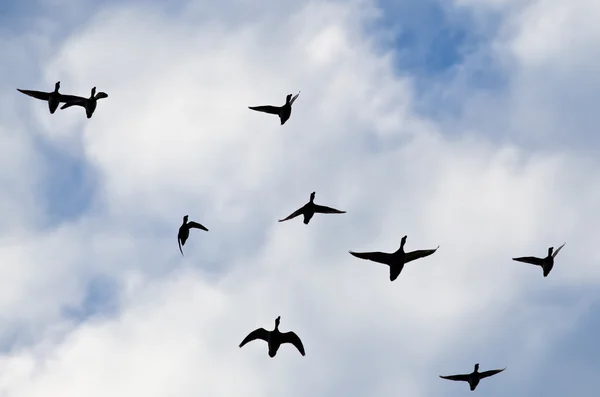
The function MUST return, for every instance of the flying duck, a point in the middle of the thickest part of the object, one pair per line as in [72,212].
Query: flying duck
[283,112]
[274,338]
[310,208]
[394,260]
[54,98]
[184,231]
[546,263]
[88,103]
[474,377]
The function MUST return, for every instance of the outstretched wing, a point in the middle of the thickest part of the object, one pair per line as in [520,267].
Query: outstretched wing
[559,248]
[196,225]
[101,95]
[260,333]
[68,98]
[291,337]
[266,109]
[327,210]
[294,214]
[379,257]
[294,98]
[36,94]
[179,242]
[490,373]
[74,101]
[411,256]
[530,259]
[462,377]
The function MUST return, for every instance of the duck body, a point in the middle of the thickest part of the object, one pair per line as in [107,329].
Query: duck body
[309,209]
[474,377]
[284,112]
[89,104]
[184,231]
[54,98]
[274,339]
[395,260]
[546,263]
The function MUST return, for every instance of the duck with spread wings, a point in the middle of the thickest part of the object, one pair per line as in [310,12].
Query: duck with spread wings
[89,104]
[284,112]
[546,263]
[275,338]
[184,231]
[54,98]
[474,377]
[309,209]
[395,260]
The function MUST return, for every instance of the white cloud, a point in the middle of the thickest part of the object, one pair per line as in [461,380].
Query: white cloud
[175,137]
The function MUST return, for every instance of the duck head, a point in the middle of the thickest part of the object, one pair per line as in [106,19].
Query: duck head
[550,250]
[312,197]
[56,86]
[185,218]
[93,92]
[288,98]
[403,241]
[476,369]
[277,320]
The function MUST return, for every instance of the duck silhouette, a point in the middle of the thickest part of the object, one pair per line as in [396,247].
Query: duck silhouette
[184,231]
[474,377]
[54,98]
[284,112]
[88,103]
[309,209]
[394,260]
[274,338]
[546,263]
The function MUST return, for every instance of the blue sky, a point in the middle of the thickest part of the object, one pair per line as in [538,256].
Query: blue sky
[464,124]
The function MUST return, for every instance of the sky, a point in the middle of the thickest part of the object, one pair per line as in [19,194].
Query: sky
[468,124]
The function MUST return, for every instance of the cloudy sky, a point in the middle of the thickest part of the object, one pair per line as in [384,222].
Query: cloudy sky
[468,124]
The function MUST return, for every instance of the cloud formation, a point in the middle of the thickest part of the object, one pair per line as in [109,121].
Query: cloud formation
[98,301]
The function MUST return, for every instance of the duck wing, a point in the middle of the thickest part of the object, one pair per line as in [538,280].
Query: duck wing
[291,337]
[379,257]
[327,210]
[490,373]
[196,225]
[75,100]
[266,109]
[294,98]
[530,259]
[294,214]
[36,94]
[179,242]
[559,248]
[462,377]
[411,256]
[101,95]
[259,333]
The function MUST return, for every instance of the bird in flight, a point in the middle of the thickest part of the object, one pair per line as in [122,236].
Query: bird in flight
[88,103]
[274,338]
[284,112]
[54,98]
[394,260]
[184,231]
[310,208]
[546,263]
[474,377]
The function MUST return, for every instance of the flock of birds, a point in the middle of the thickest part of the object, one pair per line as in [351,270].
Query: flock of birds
[395,260]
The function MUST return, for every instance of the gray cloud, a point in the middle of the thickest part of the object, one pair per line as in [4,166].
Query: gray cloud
[175,137]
